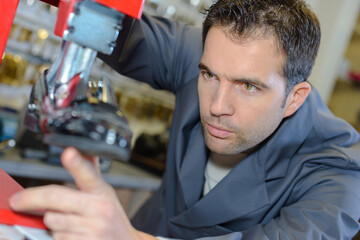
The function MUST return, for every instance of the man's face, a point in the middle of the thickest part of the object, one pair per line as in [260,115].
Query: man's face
[241,92]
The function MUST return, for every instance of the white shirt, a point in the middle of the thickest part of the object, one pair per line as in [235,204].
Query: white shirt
[213,175]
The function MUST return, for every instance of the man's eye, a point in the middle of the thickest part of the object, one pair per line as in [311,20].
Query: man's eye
[249,87]
[208,75]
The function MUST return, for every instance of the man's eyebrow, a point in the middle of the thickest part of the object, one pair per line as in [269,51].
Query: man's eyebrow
[203,67]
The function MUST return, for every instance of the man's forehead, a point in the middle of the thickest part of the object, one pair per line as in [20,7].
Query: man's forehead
[272,45]
[249,35]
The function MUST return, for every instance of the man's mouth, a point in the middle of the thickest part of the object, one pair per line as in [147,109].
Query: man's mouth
[217,131]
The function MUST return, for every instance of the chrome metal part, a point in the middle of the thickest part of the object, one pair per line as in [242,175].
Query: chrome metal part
[93,123]
[68,108]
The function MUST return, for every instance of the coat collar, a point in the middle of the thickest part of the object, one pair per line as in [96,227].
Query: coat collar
[227,195]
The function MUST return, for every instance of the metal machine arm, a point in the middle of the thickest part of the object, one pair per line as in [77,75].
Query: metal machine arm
[61,105]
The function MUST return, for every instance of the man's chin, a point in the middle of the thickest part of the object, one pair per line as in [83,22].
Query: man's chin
[222,149]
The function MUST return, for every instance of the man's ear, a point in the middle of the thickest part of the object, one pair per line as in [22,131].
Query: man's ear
[296,98]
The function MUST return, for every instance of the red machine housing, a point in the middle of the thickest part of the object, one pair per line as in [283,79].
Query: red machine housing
[132,8]
[7,14]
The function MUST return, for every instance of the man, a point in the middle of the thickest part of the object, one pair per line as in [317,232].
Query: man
[253,152]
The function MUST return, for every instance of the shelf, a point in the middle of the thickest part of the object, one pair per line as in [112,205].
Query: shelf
[121,175]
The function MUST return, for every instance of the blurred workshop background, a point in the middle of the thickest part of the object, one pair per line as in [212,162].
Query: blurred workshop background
[32,47]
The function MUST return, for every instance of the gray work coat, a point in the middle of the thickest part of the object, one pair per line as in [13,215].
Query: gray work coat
[303,182]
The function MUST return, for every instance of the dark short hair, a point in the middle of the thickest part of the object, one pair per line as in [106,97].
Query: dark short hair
[292,22]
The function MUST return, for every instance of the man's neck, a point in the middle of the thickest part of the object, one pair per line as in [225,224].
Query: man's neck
[227,161]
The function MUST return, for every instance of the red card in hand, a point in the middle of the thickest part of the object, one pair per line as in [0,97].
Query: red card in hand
[8,187]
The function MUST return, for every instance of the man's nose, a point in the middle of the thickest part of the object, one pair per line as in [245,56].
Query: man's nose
[222,101]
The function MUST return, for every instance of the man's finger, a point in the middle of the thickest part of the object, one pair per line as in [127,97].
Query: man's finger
[51,197]
[72,223]
[84,170]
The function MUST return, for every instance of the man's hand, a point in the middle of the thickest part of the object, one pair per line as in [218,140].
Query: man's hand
[92,212]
